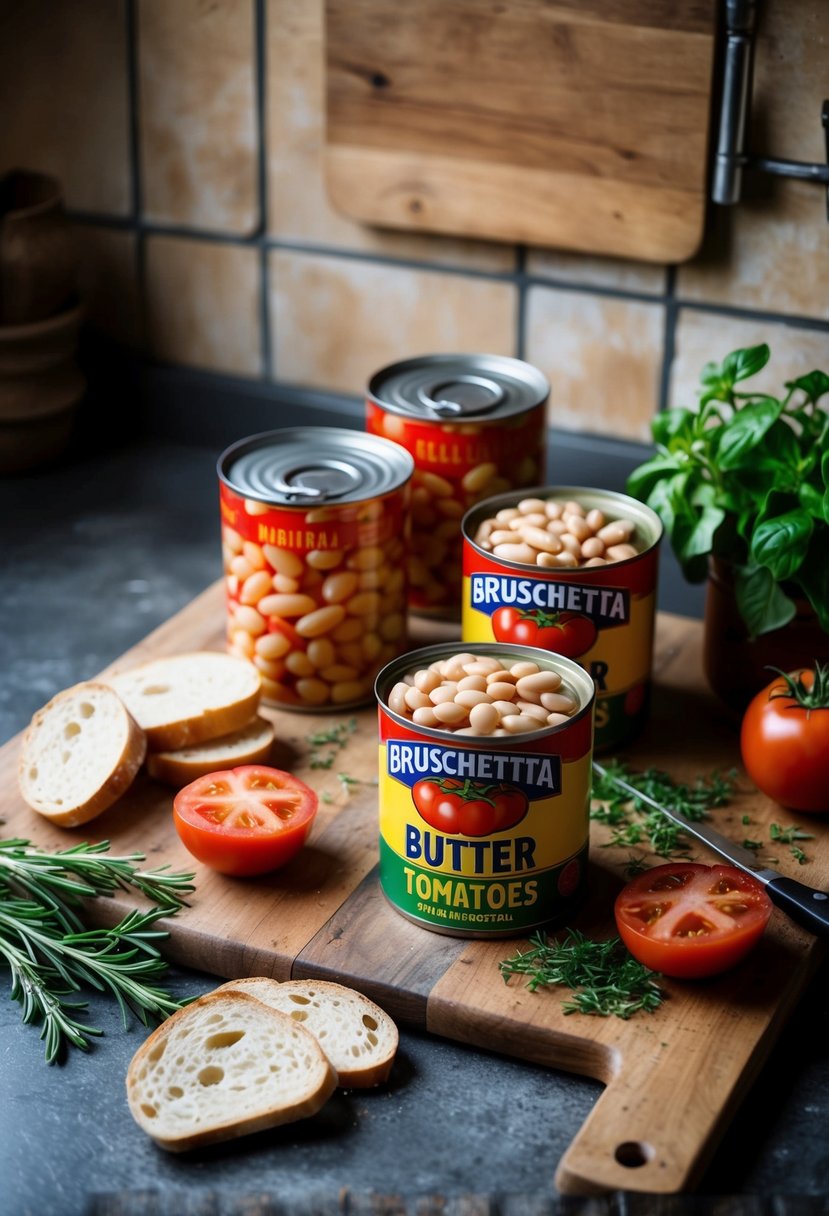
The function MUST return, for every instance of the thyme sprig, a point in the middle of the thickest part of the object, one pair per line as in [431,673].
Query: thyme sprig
[605,980]
[49,952]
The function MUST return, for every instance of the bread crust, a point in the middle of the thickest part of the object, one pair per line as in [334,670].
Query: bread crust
[205,721]
[230,1128]
[122,773]
[175,768]
[364,1073]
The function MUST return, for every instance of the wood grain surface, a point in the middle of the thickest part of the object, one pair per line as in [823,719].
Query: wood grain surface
[673,1079]
[578,125]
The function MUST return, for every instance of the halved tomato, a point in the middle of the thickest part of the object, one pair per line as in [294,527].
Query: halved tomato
[688,920]
[245,821]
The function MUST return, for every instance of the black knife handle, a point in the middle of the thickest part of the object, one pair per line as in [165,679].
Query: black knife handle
[810,908]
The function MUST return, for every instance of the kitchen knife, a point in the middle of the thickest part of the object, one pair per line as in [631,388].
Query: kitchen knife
[810,908]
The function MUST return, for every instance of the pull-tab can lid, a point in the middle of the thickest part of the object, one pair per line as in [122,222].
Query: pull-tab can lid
[459,387]
[313,466]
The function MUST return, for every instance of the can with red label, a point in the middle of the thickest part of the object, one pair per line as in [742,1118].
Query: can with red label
[476,426]
[314,527]
[485,835]
[598,610]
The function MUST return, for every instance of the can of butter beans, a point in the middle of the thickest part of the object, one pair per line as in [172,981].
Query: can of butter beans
[571,570]
[476,426]
[484,835]
[314,526]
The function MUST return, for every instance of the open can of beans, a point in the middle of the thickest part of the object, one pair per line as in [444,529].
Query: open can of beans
[573,571]
[485,776]
[476,426]
[314,525]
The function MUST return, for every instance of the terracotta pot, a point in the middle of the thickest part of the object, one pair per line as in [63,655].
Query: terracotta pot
[40,387]
[736,665]
[38,259]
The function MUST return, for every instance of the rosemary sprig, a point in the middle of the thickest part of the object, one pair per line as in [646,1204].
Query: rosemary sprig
[605,980]
[50,954]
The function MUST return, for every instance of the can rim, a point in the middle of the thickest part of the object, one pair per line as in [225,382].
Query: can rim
[474,363]
[510,499]
[549,662]
[394,451]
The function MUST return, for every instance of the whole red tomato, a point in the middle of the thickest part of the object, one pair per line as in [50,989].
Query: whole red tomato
[468,808]
[784,739]
[564,633]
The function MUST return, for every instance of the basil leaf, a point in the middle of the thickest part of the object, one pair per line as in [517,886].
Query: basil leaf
[748,362]
[814,385]
[744,431]
[673,424]
[780,543]
[824,468]
[763,606]
[811,500]
[642,480]
[698,533]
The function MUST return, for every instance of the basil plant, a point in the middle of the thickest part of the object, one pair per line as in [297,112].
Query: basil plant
[745,478]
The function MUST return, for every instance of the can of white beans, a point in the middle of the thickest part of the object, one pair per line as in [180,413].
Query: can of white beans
[314,527]
[571,570]
[484,787]
[475,426]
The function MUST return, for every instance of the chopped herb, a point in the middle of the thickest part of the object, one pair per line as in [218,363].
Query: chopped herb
[798,854]
[746,820]
[633,822]
[605,980]
[788,835]
[754,845]
[327,744]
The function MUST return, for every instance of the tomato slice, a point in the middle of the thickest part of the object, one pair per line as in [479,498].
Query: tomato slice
[688,920]
[245,821]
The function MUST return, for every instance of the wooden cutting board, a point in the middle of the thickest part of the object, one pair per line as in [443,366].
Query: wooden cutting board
[580,124]
[673,1079]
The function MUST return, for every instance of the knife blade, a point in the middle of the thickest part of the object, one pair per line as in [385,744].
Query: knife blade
[805,905]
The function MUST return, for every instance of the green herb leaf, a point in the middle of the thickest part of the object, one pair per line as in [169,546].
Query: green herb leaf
[762,603]
[780,543]
[605,980]
[741,435]
[814,385]
[671,425]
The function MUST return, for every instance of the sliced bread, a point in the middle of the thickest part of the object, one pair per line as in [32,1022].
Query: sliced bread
[79,754]
[184,699]
[358,1037]
[250,745]
[223,1067]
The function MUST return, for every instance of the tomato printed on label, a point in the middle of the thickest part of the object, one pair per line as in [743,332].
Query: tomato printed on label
[468,808]
[569,878]
[566,633]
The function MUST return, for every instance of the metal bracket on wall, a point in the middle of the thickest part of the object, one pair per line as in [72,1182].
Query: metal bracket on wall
[731,157]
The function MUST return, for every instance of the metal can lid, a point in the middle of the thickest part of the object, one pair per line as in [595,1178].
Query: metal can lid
[459,387]
[309,466]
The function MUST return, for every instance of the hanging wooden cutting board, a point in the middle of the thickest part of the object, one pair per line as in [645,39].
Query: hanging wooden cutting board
[673,1078]
[579,124]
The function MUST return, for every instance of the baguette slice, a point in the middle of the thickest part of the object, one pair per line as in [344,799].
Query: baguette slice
[79,754]
[358,1037]
[187,698]
[250,745]
[223,1067]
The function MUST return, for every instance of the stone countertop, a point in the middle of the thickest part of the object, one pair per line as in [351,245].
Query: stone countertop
[96,553]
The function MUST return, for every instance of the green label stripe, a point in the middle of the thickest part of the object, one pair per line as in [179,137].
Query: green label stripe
[457,902]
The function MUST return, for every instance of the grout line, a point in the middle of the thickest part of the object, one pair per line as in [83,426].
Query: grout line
[133,86]
[669,341]
[266,244]
[261,52]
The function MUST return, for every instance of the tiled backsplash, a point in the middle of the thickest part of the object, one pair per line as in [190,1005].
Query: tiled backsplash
[188,136]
